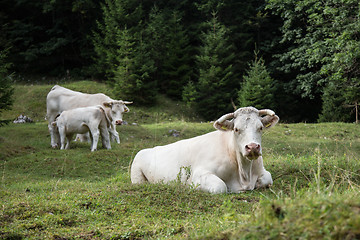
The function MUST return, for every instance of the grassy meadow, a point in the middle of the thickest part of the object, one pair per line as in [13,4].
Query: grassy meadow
[46,193]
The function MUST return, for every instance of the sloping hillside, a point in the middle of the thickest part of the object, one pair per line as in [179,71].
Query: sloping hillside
[30,100]
[51,194]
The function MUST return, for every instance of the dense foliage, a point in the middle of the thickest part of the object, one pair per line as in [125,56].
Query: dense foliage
[6,89]
[196,51]
[323,50]
[49,37]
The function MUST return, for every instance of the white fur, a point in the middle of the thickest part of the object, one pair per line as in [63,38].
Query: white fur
[218,161]
[60,99]
[83,120]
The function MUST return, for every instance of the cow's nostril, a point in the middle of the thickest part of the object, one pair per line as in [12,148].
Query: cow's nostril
[252,147]
[118,122]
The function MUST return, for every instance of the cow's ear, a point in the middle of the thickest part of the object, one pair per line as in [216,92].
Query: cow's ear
[223,123]
[269,121]
[107,104]
[126,109]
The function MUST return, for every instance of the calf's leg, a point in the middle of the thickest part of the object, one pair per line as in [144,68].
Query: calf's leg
[68,140]
[105,137]
[95,138]
[62,135]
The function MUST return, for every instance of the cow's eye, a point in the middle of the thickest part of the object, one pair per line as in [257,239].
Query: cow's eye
[261,128]
[236,130]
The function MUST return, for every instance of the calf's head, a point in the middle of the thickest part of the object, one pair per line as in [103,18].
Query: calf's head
[117,108]
[247,125]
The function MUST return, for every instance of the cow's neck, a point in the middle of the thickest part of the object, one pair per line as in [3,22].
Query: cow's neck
[244,165]
[244,168]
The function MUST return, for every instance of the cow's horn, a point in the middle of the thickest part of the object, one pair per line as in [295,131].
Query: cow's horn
[127,102]
[224,122]
[266,112]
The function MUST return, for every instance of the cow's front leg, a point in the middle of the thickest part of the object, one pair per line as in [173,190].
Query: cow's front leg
[114,134]
[209,182]
[54,134]
[264,180]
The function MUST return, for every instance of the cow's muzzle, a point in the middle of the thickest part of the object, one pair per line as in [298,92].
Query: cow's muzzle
[118,122]
[252,151]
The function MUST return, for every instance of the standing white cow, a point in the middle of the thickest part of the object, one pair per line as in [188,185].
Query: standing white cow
[60,99]
[95,119]
[228,160]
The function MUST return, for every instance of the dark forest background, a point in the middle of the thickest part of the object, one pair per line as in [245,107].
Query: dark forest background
[299,58]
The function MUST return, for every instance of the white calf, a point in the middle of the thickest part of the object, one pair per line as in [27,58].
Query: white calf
[81,120]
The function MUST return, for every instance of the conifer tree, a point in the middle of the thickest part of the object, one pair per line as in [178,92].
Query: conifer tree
[258,87]
[169,49]
[189,94]
[215,86]
[125,75]
[132,75]
[6,90]
[156,37]
[124,53]
[176,70]
[105,37]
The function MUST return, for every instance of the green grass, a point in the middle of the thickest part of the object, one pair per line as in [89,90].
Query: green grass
[30,100]
[46,193]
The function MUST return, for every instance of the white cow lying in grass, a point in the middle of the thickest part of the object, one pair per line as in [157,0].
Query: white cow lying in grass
[96,119]
[227,160]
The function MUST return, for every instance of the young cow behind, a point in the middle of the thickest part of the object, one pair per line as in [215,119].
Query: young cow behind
[96,119]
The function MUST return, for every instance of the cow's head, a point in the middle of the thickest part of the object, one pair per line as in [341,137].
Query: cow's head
[117,108]
[247,125]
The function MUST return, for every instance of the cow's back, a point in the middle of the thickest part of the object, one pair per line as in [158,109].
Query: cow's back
[164,163]
[60,99]
[78,120]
